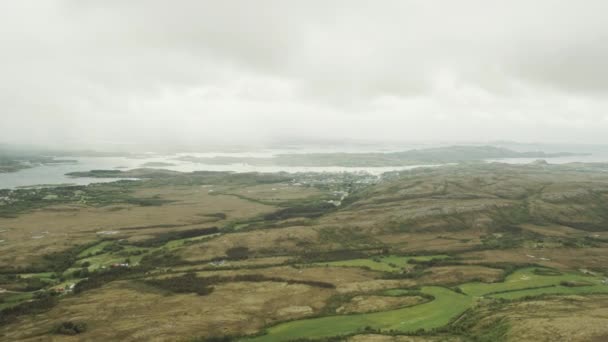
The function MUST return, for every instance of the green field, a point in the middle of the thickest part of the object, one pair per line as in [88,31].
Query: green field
[94,249]
[11,299]
[531,284]
[447,305]
[562,290]
[392,263]
[97,258]
[439,312]
[106,259]
[43,275]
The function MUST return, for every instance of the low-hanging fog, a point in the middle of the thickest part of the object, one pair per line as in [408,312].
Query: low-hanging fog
[102,73]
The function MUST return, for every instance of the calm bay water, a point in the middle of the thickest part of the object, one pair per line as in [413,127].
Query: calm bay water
[56,174]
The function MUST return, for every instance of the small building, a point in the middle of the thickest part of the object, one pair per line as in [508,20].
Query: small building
[218,262]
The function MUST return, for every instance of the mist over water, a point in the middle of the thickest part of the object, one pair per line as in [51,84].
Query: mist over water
[54,174]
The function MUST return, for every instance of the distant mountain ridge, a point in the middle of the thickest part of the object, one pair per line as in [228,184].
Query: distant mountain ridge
[439,155]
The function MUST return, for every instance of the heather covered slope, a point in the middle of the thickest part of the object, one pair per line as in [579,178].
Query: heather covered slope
[422,252]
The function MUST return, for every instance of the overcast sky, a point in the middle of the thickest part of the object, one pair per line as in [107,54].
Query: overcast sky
[192,72]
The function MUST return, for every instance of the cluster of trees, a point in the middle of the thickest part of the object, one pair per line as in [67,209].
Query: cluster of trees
[190,283]
[147,202]
[254,178]
[56,262]
[575,283]
[416,272]
[344,254]
[81,273]
[42,302]
[111,248]
[546,271]
[465,325]
[328,339]
[23,200]
[310,210]
[53,262]
[71,328]
[33,284]
[16,282]
[214,339]
[434,262]
[161,259]
[260,278]
[219,216]
[99,278]
[8,278]
[163,238]
[237,253]
[506,241]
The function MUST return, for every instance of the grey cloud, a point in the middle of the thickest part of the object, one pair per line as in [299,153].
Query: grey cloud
[193,71]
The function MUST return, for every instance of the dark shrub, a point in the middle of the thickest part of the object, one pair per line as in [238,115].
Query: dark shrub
[71,328]
[163,238]
[187,283]
[33,284]
[237,253]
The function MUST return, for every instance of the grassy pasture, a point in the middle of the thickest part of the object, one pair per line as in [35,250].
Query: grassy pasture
[557,289]
[133,253]
[106,260]
[10,299]
[533,283]
[436,313]
[94,249]
[43,275]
